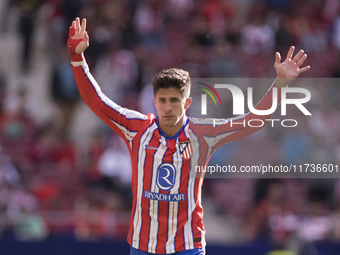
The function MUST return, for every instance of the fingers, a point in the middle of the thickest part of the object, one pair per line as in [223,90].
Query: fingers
[290,53]
[73,24]
[277,58]
[298,56]
[306,68]
[77,25]
[72,29]
[83,26]
[86,38]
[301,60]
[77,29]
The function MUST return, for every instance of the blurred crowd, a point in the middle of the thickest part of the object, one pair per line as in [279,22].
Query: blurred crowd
[43,170]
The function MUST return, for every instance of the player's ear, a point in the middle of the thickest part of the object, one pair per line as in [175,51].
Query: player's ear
[154,101]
[187,103]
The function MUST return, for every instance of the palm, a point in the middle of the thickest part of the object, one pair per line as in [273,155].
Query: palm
[290,69]
[287,69]
[81,47]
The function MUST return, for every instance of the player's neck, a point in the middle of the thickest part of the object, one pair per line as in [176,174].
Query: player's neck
[172,130]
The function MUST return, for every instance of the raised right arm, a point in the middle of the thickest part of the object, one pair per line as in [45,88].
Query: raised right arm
[124,122]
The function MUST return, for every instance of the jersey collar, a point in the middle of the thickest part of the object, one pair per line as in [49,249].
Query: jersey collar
[186,121]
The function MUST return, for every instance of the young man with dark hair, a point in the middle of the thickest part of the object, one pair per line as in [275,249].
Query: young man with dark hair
[173,77]
[167,215]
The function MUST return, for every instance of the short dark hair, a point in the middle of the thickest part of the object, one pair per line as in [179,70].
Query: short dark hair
[173,77]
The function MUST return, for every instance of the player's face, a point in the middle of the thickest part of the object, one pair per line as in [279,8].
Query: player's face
[171,106]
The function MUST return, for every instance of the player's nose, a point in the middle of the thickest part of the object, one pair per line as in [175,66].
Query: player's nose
[168,106]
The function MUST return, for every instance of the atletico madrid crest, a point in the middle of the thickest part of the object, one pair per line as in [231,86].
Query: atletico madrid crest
[185,149]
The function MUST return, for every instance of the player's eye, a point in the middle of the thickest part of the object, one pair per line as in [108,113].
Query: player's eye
[162,100]
[173,100]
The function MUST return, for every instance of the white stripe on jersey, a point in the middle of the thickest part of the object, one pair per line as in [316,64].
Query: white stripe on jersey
[217,122]
[212,141]
[188,232]
[195,147]
[129,114]
[153,208]
[207,121]
[129,135]
[137,219]
[173,206]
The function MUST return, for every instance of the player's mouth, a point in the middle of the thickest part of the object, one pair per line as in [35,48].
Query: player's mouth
[168,117]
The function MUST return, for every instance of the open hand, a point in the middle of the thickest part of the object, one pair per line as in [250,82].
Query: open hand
[290,69]
[78,39]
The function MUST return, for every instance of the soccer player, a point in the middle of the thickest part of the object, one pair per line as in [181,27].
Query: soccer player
[167,215]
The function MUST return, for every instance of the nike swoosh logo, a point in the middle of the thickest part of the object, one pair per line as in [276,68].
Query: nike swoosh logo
[148,147]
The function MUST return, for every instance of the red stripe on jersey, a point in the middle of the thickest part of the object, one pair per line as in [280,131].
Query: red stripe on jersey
[162,237]
[131,228]
[197,217]
[182,208]
[163,206]
[145,230]
[133,186]
[183,205]
[134,178]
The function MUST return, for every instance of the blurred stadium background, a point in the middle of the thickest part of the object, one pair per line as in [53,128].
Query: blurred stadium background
[64,176]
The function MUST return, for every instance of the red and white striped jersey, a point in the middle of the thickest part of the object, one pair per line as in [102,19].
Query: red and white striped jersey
[167,215]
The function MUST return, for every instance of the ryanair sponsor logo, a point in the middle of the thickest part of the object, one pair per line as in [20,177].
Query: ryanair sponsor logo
[164,197]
